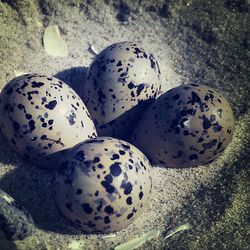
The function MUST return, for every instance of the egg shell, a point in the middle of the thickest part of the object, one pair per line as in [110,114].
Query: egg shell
[41,116]
[103,184]
[120,82]
[189,125]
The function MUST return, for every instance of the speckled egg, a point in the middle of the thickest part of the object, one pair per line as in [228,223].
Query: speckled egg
[103,184]
[120,82]
[189,125]
[41,116]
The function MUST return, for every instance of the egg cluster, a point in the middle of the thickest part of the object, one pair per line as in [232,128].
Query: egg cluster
[102,182]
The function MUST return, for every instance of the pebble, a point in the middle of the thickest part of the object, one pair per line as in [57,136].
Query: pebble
[15,222]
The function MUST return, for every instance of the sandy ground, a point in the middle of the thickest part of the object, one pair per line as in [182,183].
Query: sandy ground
[194,41]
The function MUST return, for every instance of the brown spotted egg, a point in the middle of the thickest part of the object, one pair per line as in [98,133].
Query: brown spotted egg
[187,126]
[103,184]
[120,82]
[41,116]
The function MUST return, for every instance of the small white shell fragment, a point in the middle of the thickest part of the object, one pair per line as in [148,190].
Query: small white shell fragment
[177,229]
[19,73]
[135,243]
[8,198]
[53,43]
[92,49]
[39,24]
[109,236]
[76,245]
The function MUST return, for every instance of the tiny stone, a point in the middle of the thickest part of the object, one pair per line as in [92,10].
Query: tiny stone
[15,222]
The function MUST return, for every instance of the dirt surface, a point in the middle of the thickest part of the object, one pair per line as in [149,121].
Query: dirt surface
[195,41]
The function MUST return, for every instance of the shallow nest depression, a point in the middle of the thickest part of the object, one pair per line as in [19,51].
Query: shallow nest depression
[194,41]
